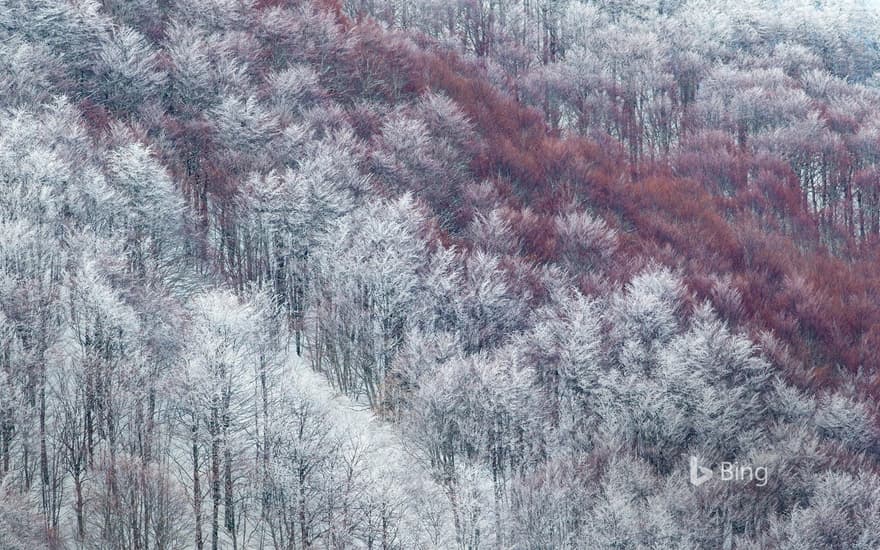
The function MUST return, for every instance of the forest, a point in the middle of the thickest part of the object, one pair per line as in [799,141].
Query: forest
[439,274]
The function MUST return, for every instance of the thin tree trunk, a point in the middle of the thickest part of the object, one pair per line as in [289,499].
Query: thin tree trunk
[197,489]
[78,507]
[215,477]
[303,527]
[44,458]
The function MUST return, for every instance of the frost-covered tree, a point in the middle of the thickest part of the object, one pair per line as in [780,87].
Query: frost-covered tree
[290,215]
[848,421]
[585,242]
[490,309]
[150,209]
[645,318]
[453,231]
[302,450]
[95,390]
[565,348]
[127,70]
[217,397]
[842,514]
[366,283]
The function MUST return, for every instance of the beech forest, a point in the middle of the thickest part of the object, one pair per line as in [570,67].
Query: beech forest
[439,274]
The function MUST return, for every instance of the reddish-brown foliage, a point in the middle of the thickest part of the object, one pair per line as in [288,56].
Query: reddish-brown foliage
[96,117]
[715,212]
[678,221]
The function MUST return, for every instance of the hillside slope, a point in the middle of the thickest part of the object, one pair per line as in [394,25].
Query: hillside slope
[533,335]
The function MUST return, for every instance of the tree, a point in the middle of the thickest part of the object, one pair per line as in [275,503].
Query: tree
[290,215]
[28,72]
[302,454]
[630,509]
[127,70]
[494,234]
[19,528]
[564,347]
[848,421]
[365,285]
[244,126]
[490,310]
[586,243]
[202,71]
[72,31]
[149,210]
[295,89]
[842,514]
[101,358]
[644,318]
[217,398]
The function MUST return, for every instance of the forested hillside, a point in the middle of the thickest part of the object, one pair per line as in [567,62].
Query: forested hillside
[290,274]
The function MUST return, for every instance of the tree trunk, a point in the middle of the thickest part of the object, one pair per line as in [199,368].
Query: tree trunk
[44,459]
[197,489]
[78,506]
[215,477]
[303,527]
